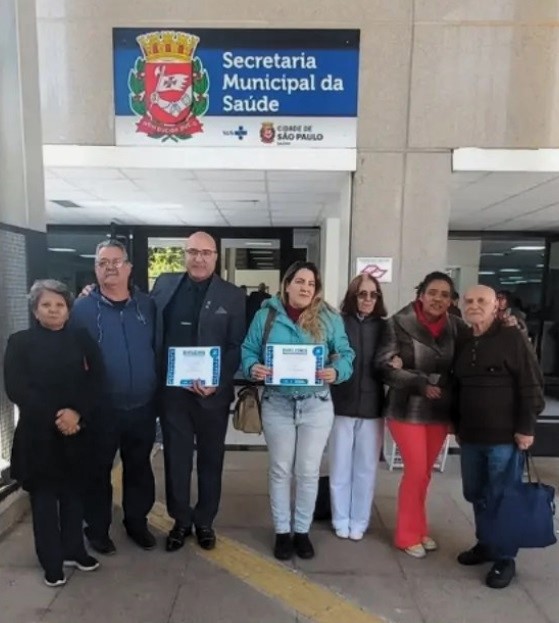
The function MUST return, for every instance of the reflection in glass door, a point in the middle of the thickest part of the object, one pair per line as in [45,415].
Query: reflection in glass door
[549,344]
[165,255]
[254,264]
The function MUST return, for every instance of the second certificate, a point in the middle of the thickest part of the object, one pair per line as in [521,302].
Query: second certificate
[294,364]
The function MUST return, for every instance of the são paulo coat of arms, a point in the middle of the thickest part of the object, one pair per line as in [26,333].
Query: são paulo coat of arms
[168,86]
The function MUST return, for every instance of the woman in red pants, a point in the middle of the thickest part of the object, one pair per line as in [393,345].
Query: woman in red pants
[423,336]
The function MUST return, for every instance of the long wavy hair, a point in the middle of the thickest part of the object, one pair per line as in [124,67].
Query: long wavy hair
[310,320]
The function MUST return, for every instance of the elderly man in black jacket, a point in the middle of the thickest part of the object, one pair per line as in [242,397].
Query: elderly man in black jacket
[499,395]
[197,308]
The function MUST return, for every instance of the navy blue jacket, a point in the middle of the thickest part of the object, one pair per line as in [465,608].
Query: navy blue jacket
[126,338]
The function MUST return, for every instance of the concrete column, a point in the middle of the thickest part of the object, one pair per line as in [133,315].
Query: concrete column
[401,210]
[425,217]
[465,255]
[231,264]
[22,200]
[22,197]
[330,260]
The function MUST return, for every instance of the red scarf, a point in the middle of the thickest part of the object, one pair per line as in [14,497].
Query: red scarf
[293,313]
[435,327]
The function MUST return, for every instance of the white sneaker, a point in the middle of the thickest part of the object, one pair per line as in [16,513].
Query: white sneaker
[356,535]
[429,544]
[342,533]
[416,551]
[87,563]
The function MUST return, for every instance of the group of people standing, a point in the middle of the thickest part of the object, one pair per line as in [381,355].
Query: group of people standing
[98,384]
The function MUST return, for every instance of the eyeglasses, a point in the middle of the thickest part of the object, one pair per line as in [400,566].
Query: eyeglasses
[204,253]
[104,264]
[364,295]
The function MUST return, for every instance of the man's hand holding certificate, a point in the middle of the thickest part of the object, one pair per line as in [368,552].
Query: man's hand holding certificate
[194,368]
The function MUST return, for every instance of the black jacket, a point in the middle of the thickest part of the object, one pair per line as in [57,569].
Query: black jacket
[426,360]
[45,371]
[221,323]
[499,386]
[362,396]
[254,303]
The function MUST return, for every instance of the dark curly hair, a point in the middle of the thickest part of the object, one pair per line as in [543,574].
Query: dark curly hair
[434,276]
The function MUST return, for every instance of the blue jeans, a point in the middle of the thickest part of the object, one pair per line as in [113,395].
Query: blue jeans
[296,431]
[484,473]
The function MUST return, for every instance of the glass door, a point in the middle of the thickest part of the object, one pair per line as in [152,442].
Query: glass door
[165,255]
[549,331]
[253,264]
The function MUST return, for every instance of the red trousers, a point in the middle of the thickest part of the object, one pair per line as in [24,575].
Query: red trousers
[419,446]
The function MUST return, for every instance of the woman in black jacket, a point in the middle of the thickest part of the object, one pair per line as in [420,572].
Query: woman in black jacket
[357,435]
[54,375]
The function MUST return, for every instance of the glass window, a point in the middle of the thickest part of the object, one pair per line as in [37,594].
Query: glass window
[165,255]
[249,263]
[549,344]
[514,268]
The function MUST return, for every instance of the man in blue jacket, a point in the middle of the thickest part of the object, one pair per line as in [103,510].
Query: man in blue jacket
[122,321]
[197,308]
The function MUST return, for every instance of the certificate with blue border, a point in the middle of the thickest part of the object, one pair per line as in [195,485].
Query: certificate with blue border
[294,365]
[188,364]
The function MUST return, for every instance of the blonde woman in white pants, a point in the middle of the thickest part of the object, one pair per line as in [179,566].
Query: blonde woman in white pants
[357,435]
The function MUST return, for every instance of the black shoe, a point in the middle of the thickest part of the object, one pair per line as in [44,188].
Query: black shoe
[205,537]
[83,563]
[477,555]
[177,537]
[283,549]
[303,546]
[141,536]
[501,573]
[55,580]
[101,544]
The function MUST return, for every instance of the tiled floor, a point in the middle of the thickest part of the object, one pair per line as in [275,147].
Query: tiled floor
[156,587]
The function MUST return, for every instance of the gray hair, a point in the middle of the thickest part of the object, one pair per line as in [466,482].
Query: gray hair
[111,244]
[49,285]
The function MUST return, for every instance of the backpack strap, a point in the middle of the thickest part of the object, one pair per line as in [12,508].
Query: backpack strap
[268,326]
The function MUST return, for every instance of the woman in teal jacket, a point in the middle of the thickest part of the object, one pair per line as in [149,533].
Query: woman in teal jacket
[297,419]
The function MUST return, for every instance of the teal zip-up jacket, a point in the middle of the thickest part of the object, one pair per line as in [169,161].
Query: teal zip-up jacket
[285,331]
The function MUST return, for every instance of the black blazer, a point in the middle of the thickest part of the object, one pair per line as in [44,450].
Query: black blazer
[222,323]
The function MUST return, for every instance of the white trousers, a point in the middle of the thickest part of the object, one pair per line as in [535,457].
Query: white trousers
[354,452]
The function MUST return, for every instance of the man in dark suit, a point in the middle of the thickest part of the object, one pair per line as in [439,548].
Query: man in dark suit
[197,308]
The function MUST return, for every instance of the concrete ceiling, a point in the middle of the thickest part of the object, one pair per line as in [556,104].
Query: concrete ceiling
[505,201]
[97,196]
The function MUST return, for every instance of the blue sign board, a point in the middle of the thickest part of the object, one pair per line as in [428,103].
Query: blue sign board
[247,87]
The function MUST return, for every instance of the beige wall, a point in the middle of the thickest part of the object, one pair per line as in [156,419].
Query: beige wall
[435,74]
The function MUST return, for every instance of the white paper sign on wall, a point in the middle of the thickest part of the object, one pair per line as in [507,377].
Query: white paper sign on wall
[379,267]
